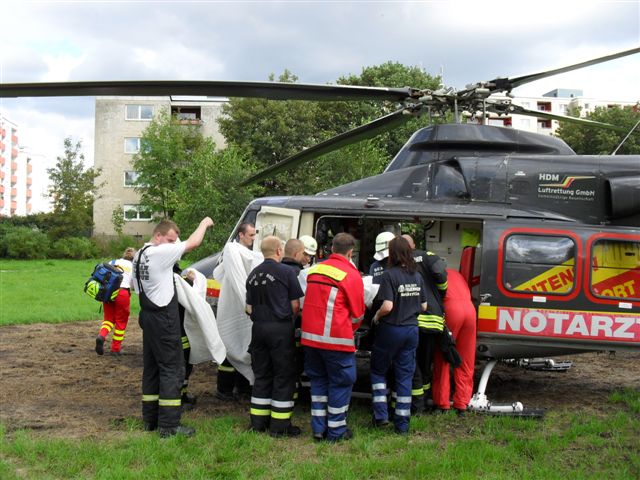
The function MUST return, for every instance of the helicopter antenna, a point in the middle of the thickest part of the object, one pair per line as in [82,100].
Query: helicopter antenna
[625,138]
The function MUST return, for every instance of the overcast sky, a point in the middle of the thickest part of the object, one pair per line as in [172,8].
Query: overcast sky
[318,41]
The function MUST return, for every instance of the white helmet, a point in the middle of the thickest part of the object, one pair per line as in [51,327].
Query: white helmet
[382,245]
[310,244]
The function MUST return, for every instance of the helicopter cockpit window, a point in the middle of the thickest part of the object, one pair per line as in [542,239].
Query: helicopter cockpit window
[537,263]
[615,269]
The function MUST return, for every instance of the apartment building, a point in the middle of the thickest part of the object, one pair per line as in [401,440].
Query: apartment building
[16,171]
[558,102]
[119,124]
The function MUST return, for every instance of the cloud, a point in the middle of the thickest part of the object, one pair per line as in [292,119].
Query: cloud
[318,41]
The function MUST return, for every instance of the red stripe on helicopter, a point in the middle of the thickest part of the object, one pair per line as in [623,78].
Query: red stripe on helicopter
[615,327]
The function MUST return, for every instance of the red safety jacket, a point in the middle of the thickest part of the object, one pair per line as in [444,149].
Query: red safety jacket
[333,305]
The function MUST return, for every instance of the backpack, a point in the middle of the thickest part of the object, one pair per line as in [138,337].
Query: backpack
[104,282]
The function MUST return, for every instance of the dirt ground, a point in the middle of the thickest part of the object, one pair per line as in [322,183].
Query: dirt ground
[52,382]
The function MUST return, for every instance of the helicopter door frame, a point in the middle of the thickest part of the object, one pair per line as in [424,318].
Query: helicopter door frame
[538,283]
[278,221]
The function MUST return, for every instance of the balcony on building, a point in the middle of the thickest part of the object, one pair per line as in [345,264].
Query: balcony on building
[14,192]
[29,181]
[14,139]
[14,153]
[1,189]
[1,161]
[14,179]
[2,146]
[187,115]
[544,106]
[29,168]
[29,193]
[14,166]
[29,207]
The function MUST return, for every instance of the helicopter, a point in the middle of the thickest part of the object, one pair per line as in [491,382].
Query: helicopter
[548,241]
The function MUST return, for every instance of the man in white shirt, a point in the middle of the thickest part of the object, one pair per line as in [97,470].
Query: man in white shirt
[163,371]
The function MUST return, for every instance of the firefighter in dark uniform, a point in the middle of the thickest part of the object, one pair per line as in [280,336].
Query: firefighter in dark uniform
[430,323]
[273,302]
[403,297]
[294,254]
[163,371]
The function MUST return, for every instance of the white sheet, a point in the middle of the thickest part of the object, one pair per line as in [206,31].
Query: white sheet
[370,289]
[199,321]
[234,324]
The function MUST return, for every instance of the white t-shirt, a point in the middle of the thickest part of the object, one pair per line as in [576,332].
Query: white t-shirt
[127,268]
[156,271]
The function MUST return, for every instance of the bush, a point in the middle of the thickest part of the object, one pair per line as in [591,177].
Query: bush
[26,243]
[74,248]
[116,246]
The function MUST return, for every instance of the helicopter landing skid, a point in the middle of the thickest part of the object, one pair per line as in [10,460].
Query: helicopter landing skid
[542,364]
[480,402]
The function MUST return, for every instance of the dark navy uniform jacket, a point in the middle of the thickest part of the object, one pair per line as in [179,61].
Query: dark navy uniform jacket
[274,285]
[377,268]
[406,291]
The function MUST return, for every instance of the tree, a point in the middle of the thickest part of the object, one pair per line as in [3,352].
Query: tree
[181,176]
[208,188]
[598,141]
[166,148]
[269,131]
[72,190]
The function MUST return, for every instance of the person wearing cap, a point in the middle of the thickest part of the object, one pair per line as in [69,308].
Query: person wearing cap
[382,253]
[116,313]
[430,323]
[273,301]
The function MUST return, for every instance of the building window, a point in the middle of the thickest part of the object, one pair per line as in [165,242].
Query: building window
[133,213]
[131,178]
[131,145]
[615,269]
[138,112]
[539,263]
[525,123]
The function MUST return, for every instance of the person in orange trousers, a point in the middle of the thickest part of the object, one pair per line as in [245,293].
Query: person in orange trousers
[460,317]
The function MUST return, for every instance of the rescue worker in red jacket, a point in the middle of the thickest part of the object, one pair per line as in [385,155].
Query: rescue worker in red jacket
[461,320]
[116,313]
[333,310]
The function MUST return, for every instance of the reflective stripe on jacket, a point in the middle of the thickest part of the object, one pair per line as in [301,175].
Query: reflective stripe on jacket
[333,305]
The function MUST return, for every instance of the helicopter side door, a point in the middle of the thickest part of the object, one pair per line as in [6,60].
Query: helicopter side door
[558,289]
[278,221]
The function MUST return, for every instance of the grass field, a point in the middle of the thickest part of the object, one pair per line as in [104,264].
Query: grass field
[566,444]
[49,291]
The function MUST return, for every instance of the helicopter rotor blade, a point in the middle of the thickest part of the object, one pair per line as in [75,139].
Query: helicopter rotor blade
[268,90]
[363,132]
[508,84]
[518,110]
